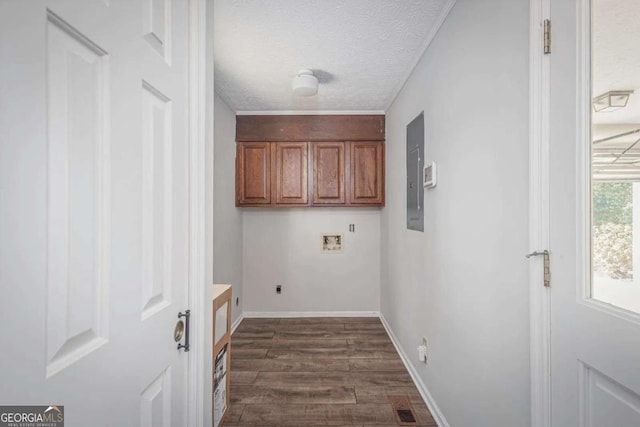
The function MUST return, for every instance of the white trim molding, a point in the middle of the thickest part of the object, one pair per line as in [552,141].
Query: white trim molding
[276,314]
[236,323]
[197,168]
[437,414]
[309,112]
[539,192]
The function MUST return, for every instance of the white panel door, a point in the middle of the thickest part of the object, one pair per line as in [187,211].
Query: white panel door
[94,208]
[595,345]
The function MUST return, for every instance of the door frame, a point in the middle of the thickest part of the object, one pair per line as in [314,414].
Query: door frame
[539,185]
[200,71]
[539,193]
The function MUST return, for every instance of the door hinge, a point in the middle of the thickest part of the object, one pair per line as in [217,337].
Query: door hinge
[547,36]
[546,266]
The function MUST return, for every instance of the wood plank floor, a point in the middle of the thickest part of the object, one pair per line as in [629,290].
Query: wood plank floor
[318,371]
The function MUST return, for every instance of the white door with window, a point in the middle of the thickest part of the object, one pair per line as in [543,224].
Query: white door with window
[594,171]
[94,208]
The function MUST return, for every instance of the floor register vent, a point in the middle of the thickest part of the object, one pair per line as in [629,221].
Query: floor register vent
[406,415]
[404,412]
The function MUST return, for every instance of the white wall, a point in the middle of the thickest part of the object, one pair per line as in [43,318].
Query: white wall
[227,227]
[463,282]
[282,247]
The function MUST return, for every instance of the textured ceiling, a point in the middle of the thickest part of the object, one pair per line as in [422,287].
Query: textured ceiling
[616,66]
[361,50]
[616,56]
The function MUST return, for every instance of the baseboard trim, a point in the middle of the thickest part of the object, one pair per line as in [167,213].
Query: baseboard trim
[271,314]
[235,324]
[422,388]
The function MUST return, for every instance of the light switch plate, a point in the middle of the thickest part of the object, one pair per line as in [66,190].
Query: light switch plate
[429,175]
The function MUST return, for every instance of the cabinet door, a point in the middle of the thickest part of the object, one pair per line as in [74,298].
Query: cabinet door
[253,173]
[366,173]
[329,173]
[292,173]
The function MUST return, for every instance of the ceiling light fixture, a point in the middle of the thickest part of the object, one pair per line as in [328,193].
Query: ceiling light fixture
[611,101]
[305,83]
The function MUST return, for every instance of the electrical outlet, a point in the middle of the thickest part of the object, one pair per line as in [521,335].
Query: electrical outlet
[278,289]
[424,351]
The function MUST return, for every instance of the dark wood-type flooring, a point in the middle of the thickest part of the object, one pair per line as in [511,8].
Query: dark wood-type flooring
[318,371]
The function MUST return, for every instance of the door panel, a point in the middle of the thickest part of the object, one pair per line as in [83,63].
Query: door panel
[253,173]
[367,173]
[594,346]
[329,173]
[156,26]
[604,402]
[291,179]
[78,203]
[94,218]
[156,200]
[155,402]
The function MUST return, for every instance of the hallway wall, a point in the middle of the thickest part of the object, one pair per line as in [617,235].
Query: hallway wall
[227,230]
[463,282]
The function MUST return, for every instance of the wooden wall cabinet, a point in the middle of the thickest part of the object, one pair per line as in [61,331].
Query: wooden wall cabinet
[280,174]
[286,161]
[272,174]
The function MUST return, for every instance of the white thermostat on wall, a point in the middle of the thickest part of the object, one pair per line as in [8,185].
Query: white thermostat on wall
[429,175]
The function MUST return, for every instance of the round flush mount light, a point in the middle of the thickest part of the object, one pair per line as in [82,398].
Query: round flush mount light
[305,83]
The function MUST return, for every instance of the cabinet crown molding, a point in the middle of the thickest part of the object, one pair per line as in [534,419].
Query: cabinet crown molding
[289,128]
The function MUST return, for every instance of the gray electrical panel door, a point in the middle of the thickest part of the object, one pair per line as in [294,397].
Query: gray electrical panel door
[415,164]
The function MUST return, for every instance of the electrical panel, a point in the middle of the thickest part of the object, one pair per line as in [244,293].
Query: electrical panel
[415,165]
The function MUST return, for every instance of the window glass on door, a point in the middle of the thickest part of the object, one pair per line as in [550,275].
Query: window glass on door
[615,182]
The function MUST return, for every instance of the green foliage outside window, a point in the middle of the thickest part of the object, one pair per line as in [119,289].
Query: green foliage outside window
[612,203]
[612,229]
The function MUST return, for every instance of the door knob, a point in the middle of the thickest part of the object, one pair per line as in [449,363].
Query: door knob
[185,328]
[178,331]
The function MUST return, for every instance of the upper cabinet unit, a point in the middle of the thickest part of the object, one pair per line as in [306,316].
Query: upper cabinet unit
[310,161]
[253,174]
